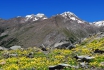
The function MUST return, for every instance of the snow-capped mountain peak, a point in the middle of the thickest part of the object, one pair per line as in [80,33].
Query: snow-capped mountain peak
[36,17]
[68,14]
[99,23]
[71,16]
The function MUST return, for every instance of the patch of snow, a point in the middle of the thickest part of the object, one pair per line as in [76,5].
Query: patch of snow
[44,18]
[35,19]
[99,23]
[29,17]
[73,18]
[79,21]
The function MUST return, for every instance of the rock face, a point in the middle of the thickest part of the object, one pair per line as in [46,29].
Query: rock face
[35,30]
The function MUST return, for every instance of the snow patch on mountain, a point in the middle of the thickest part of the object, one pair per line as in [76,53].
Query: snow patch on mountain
[99,23]
[29,17]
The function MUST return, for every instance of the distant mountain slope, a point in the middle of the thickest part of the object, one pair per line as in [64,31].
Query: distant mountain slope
[34,30]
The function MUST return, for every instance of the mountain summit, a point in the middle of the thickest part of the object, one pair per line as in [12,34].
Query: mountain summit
[36,17]
[72,16]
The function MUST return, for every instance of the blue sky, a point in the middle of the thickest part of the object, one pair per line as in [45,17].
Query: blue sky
[88,10]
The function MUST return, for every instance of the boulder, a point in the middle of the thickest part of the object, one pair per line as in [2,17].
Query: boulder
[15,47]
[59,66]
[64,45]
[6,55]
[3,48]
[13,55]
[84,58]
[62,66]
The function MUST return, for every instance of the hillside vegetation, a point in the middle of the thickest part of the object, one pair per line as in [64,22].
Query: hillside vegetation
[36,59]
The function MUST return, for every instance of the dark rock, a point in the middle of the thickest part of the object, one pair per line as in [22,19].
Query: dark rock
[43,49]
[98,51]
[71,46]
[56,67]
[84,60]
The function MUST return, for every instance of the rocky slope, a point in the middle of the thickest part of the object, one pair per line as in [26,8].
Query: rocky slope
[35,30]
